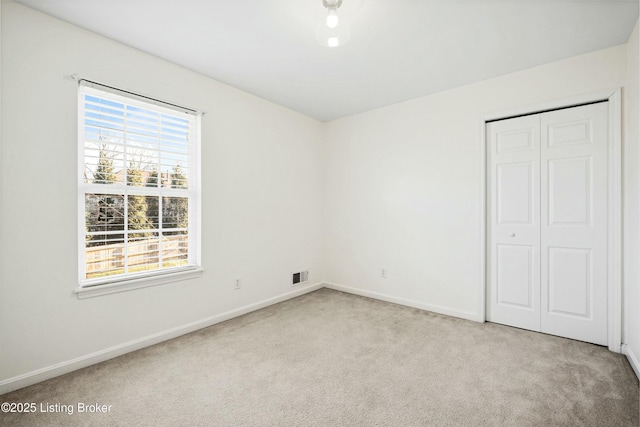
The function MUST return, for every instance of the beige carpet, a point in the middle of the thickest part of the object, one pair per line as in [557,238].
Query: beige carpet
[330,359]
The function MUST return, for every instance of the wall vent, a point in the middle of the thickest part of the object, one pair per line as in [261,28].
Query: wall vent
[299,278]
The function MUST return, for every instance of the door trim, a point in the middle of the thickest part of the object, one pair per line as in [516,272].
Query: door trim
[614,289]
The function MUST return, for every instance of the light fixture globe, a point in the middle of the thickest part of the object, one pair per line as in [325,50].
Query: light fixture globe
[333,29]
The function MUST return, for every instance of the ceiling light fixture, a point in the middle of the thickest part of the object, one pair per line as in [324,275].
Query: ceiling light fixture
[333,30]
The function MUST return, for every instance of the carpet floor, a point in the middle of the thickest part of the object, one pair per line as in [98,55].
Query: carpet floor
[332,359]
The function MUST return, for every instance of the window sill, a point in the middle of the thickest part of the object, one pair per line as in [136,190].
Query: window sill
[137,283]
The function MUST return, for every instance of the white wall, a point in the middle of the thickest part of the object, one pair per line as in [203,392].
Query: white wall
[631,273]
[402,184]
[261,173]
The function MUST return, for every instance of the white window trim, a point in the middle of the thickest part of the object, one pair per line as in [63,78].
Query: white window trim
[109,285]
[130,284]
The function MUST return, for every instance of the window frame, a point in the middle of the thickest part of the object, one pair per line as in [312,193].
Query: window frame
[129,281]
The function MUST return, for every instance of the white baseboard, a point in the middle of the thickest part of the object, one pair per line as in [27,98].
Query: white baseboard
[633,360]
[402,301]
[62,368]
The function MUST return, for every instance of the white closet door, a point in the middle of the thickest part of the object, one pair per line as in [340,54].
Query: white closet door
[574,221]
[547,236]
[514,212]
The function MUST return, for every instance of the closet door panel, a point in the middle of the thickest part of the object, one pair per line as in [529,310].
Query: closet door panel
[574,148]
[513,245]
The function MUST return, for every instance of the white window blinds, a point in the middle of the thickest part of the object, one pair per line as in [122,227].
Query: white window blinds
[139,186]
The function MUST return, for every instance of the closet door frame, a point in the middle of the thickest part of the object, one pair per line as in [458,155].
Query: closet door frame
[614,244]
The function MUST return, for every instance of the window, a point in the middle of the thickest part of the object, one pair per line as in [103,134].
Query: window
[138,187]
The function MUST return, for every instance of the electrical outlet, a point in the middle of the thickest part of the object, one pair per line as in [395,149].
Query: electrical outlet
[237,285]
[383,273]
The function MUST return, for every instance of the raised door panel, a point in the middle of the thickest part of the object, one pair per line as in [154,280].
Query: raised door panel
[570,282]
[510,141]
[515,276]
[570,132]
[570,191]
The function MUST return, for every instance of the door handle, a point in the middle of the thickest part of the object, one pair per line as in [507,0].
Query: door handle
[512,234]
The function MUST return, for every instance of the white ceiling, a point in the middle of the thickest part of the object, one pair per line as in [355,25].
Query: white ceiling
[399,49]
